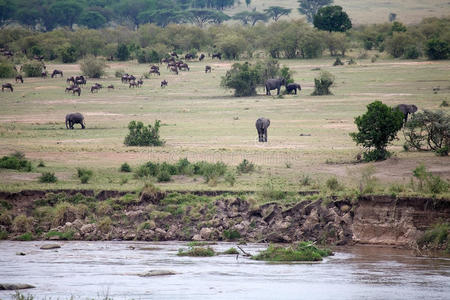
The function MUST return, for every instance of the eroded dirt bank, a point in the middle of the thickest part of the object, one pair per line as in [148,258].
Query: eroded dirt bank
[155,215]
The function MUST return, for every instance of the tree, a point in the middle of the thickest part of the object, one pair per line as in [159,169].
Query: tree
[93,67]
[332,18]
[204,16]
[437,49]
[66,12]
[377,128]
[92,19]
[28,16]
[244,17]
[276,12]
[123,53]
[323,83]
[243,78]
[140,135]
[310,7]
[7,9]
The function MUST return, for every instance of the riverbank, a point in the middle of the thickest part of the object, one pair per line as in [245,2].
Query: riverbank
[154,215]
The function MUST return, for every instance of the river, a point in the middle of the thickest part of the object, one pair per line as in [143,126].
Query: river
[97,270]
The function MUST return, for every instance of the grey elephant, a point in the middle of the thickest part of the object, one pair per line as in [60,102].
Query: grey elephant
[261,126]
[74,118]
[406,109]
[275,83]
[293,87]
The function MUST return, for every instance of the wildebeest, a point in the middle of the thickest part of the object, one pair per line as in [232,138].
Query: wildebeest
[174,54]
[174,69]
[80,80]
[76,89]
[154,71]
[164,83]
[217,55]
[70,88]
[133,84]
[202,56]
[110,87]
[70,79]
[208,69]
[274,84]
[183,66]
[38,57]
[19,78]
[7,86]
[189,56]
[96,87]
[44,74]
[293,87]
[154,67]
[57,72]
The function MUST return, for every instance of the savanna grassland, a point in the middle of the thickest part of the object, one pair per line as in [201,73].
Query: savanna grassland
[365,11]
[308,136]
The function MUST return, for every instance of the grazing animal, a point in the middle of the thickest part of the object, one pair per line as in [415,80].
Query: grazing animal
[70,79]
[44,74]
[208,69]
[80,80]
[174,54]
[293,87]
[154,71]
[202,56]
[272,84]
[19,78]
[96,87]
[133,84]
[261,126]
[76,89]
[139,83]
[110,87]
[189,56]
[70,88]
[217,55]
[74,118]
[183,66]
[57,72]
[164,83]
[7,86]
[174,69]
[406,109]
[154,67]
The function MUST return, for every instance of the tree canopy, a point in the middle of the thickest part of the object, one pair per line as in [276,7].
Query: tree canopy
[276,12]
[310,7]
[332,18]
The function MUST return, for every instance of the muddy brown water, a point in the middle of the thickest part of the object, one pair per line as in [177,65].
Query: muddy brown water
[97,270]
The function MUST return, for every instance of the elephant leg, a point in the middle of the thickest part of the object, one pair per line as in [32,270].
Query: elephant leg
[82,125]
[295,91]
[278,91]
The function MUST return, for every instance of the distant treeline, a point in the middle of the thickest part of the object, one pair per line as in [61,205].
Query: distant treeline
[282,39]
[49,14]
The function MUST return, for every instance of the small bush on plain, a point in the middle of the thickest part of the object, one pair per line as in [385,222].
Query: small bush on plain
[33,68]
[48,177]
[140,135]
[245,167]
[125,168]
[93,67]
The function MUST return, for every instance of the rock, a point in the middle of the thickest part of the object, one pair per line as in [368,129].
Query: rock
[50,246]
[55,238]
[11,286]
[197,237]
[20,253]
[157,273]
[205,233]
[87,228]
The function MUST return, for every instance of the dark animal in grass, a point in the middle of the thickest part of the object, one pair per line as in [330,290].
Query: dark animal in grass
[96,87]
[70,79]
[154,67]
[80,80]
[70,88]
[154,71]
[174,70]
[38,57]
[293,87]
[164,83]
[261,126]
[124,78]
[189,56]
[110,87]
[74,118]
[217,55]
[183,67]
[7,86]
[406,109]
[208,69]
[57,72]
[76,89]
[202,56]
[111,58]
[19,78]
[171,64]
[174,54]
[133,84]
[139,83]
[274,84]
[44,74]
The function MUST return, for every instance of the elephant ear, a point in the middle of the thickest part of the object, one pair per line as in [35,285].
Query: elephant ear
[413,108]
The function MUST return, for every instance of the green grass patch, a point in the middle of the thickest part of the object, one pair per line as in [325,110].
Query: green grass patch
[48,177]
[28,236]
[197,252]
[68,235]
[231,251]
[3,235]
[231,234]
[436,237]
[15,161]
[303,251]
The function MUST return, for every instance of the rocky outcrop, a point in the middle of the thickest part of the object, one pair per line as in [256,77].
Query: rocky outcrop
[150,217]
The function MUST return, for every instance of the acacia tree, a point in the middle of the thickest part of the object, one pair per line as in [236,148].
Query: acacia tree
[201,17]
[377,128]
[310,7]
[332,18]
[276,12]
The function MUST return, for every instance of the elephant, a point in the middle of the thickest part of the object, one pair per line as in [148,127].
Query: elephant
[261,126]
[293,87]
[275,83]
[406,109]
[74,118]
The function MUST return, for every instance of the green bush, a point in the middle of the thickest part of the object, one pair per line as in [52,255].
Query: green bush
[231,251]
[33,68]
[140,135]
[243,78]
[333,184]
[122,53]
[3,235]
[125,168]
[64,212]
[84,175]
[197,252]
[163,176]
[231,234]
[22,224]
[376,128]
[15,161]
[105,224]
[7,70]
[69,54]
[93,67]
[427,182]
[437,49]
[245,167]
[323,83]
[26,237]
[436,237]
[48,177]
[68,235]
[149,55]
[412,52]
[303,251]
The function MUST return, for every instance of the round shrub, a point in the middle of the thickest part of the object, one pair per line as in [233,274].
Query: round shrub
[93,67]
[411,52]
[33,68]
[48,177]
[7,70]
[125,168]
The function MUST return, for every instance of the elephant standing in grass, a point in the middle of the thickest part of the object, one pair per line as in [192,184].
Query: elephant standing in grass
[261,126]
[293,87]
[272,84]
[74,118]
[406,109]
